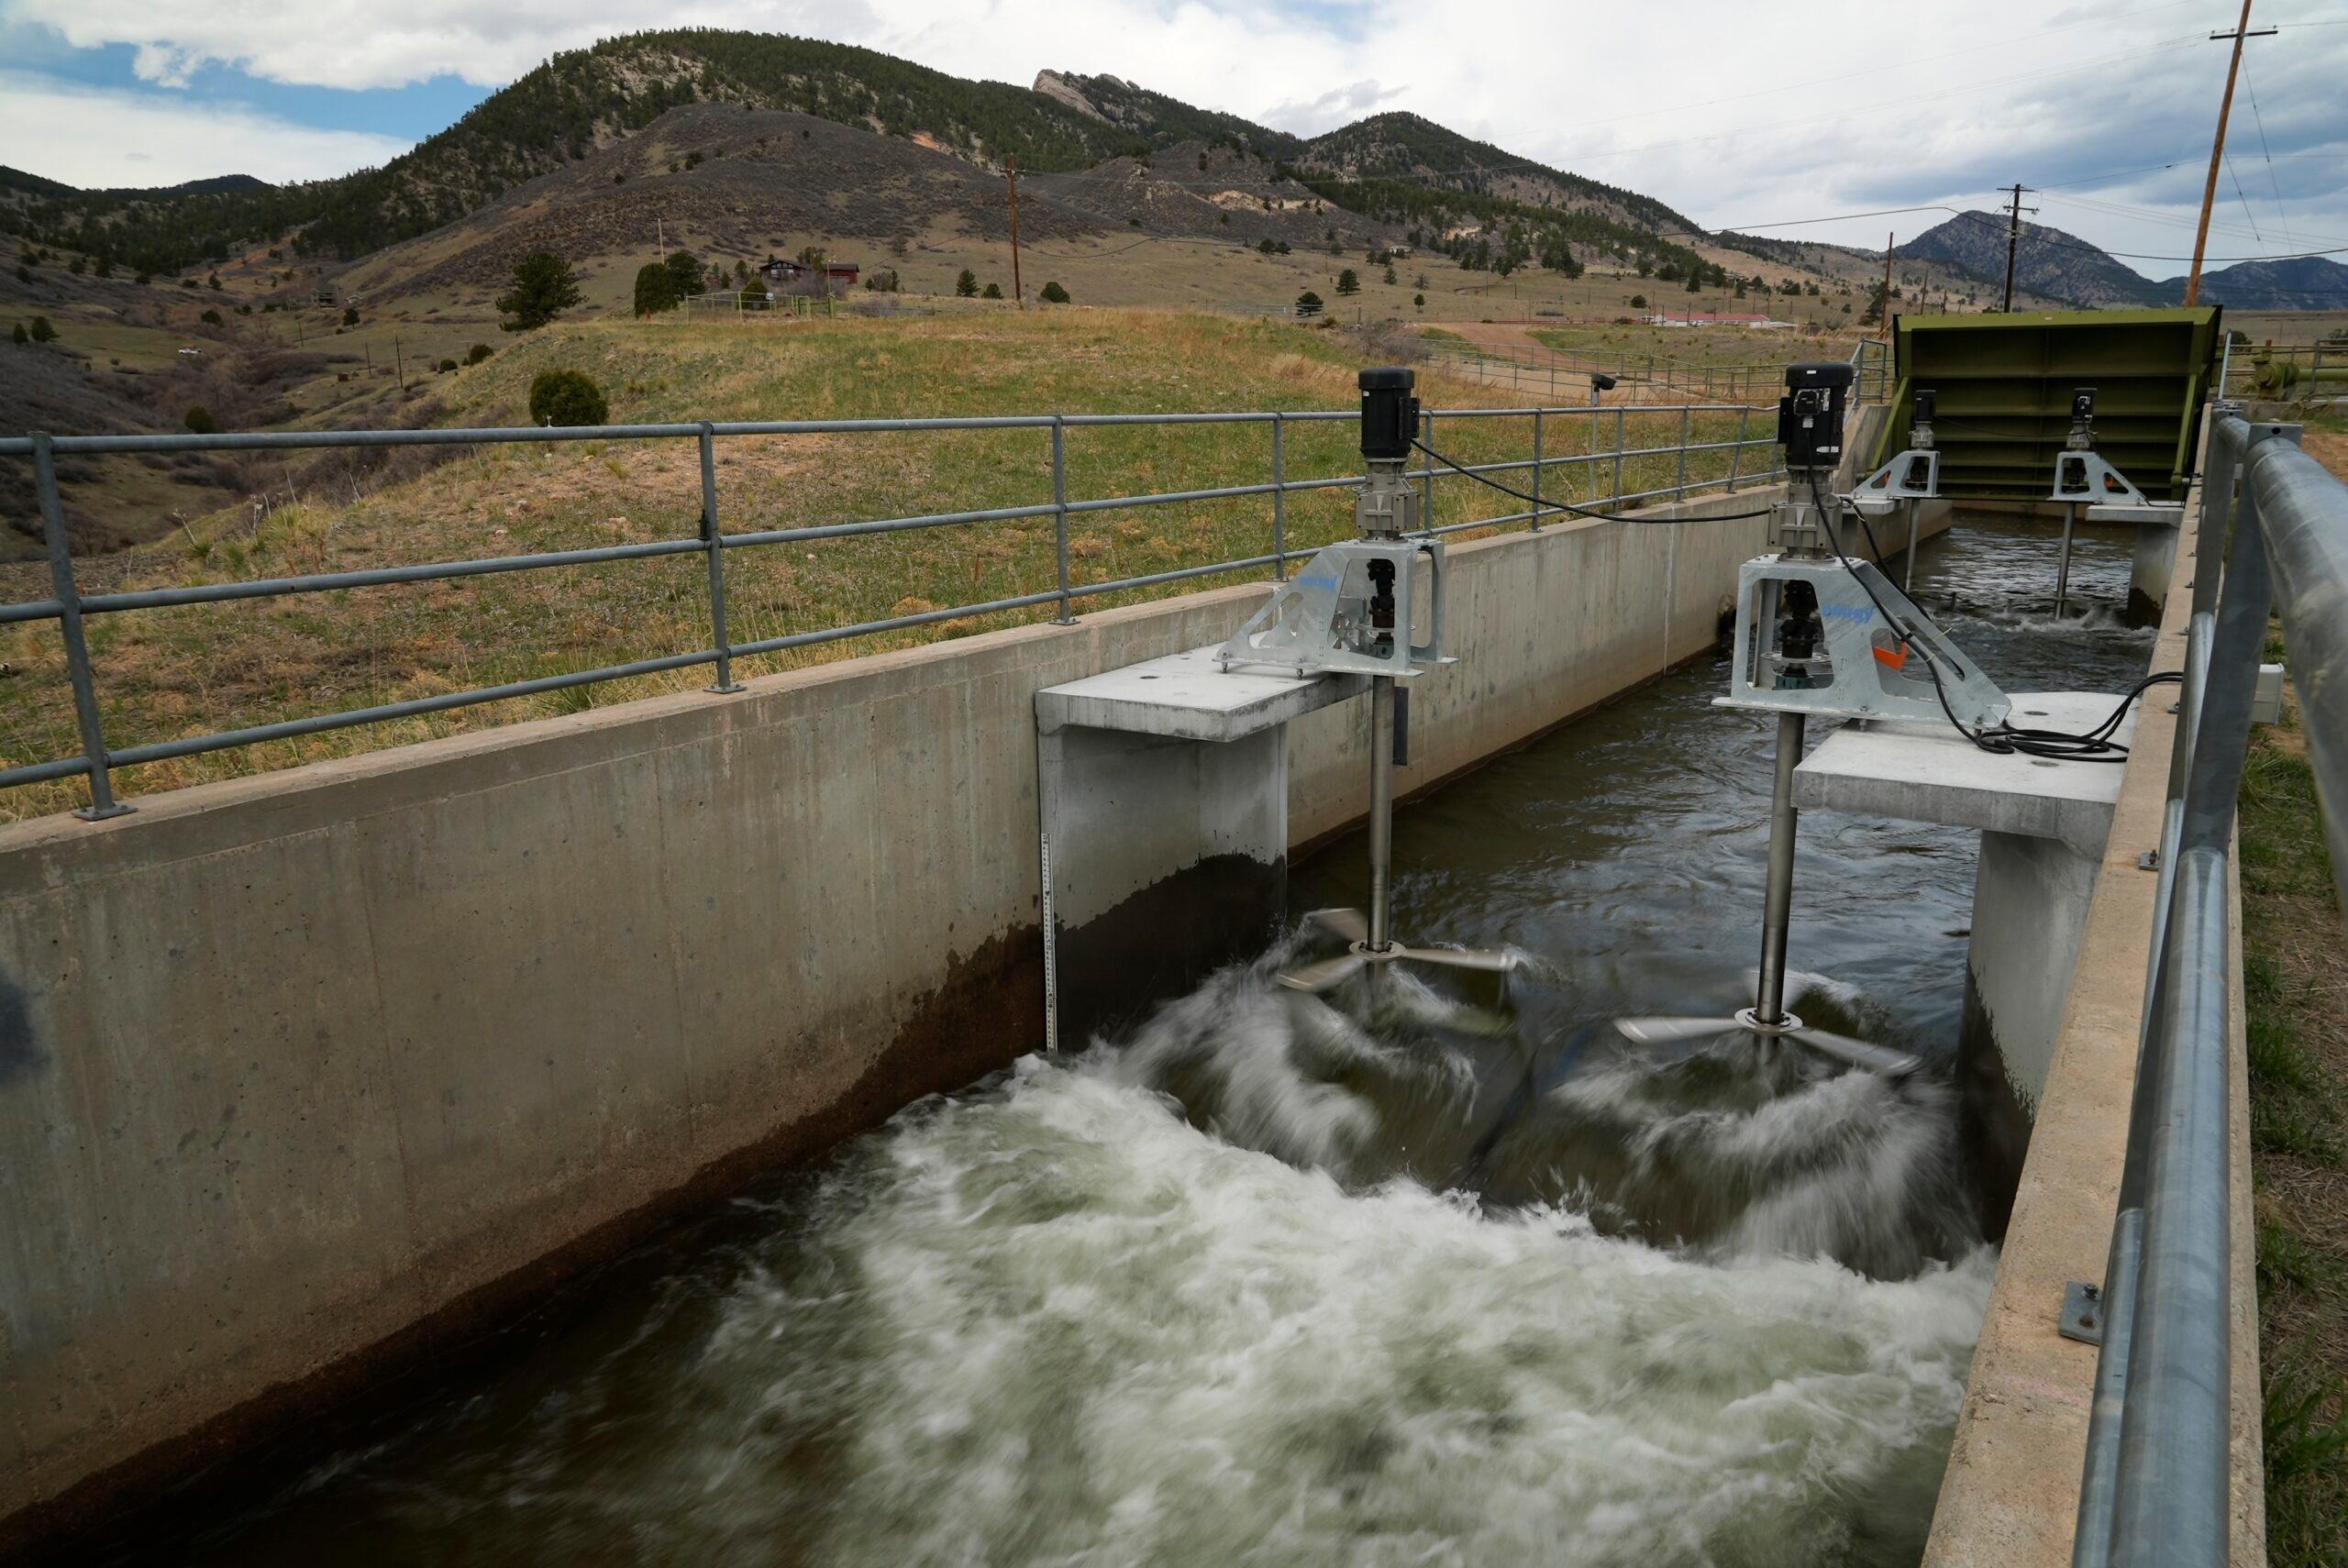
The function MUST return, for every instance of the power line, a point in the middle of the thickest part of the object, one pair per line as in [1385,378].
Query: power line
[2260,121]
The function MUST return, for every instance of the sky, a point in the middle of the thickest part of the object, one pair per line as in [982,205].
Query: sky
[1738,114]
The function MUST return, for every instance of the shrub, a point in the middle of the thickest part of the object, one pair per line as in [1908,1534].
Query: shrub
[18,334]
[1420,301]
[211,318]
[1308,304]
[350,315]
[1638,302]
[991,292]
[1054,294]
[754,294]
[885,281]
[567,397]
[199,419]
[446,366]
[42,332]
[477,353]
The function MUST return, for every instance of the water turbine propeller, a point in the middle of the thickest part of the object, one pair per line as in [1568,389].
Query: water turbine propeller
[1805,643]
[1350,612]
[1767,1017]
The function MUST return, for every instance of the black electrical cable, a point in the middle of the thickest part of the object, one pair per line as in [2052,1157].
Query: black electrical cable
[2005,739]
[1546,504]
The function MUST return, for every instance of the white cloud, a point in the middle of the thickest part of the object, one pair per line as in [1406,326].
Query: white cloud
[93,137]
[1729,112]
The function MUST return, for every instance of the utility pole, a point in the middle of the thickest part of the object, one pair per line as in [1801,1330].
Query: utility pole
[2013,239]
[2217,149]
[399,361]
[1887,242]
[1012,173]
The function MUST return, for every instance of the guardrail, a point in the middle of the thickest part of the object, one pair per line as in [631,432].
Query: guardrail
[2274,537]
[69,608]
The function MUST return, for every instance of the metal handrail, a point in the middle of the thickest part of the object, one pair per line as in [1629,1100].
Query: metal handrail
[2274,536]
[67,606]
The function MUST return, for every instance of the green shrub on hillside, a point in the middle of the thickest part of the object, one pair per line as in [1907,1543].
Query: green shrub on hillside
[568,398]
[1054,294]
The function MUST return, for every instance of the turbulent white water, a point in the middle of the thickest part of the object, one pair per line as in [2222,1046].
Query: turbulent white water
[1070,1319]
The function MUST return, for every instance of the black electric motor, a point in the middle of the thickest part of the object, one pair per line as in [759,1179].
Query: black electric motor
[1810,416]
[1389,414]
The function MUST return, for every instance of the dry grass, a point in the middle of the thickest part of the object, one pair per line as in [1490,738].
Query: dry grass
[189,670]
[2298,1024]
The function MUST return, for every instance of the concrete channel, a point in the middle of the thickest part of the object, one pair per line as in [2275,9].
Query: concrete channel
[321,1072]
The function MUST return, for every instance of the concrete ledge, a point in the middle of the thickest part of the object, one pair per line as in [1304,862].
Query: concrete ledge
[1924,772]
[2010,1496]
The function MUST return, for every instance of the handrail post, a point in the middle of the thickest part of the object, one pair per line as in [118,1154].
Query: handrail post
[1620,442]
[1426,481]
[1059,513]
[77,649]
[726,685]
[1280,498]
[1736,453]
[1680,491]
[1536,470]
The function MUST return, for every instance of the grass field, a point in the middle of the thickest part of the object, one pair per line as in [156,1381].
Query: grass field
[2296,991]
[179,671]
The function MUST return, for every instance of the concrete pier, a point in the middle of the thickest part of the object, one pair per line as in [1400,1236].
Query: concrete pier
[2043,823]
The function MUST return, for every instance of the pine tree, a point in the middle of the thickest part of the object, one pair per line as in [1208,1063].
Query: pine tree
[966,285]
[544,287]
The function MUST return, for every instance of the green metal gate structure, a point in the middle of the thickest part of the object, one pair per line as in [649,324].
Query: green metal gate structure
[2004,386]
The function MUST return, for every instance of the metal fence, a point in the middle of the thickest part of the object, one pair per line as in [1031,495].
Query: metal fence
[70,607]
[1560,373]
[2274,538]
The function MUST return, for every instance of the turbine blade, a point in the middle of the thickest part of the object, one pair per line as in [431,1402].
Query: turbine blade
[1859,1053]
[1669,1031]
[1463,958]
[1348,925]
[1327,973]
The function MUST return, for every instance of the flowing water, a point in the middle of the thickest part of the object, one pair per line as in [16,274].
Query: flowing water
[1269,1282]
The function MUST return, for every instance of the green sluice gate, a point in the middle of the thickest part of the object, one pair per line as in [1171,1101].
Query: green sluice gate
[2004,385]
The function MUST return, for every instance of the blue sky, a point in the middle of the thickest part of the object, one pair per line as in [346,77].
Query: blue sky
[1734,114]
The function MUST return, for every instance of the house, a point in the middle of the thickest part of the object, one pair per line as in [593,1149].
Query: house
[778,269]
[843,273]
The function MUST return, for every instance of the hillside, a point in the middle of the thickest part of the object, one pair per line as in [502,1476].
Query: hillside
[2047,262]
[2304,283]
[1403,147]
[1399,170]
[1162,120]
[739,181]
[575,104]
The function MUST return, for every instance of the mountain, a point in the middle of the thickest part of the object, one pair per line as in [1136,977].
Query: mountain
[2047,262]
[2303,282]
[739,180]
[1160,120]
[1404,147]
[1396,169]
